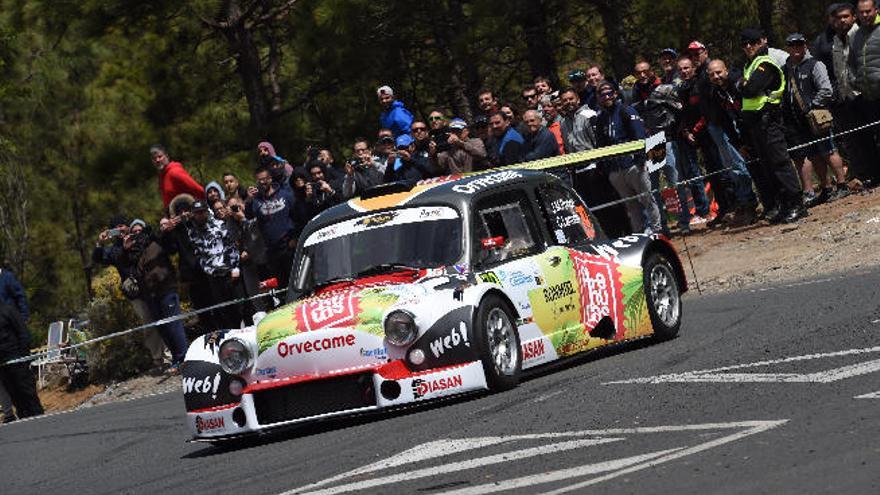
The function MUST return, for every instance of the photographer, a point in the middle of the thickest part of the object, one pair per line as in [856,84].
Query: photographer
[252,253]
[383,148]
[461,153]
[361,172]
[319,192]
[403,166]
[153,280]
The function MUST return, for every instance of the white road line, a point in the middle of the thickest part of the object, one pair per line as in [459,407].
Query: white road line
[442,448]
[720,375]
[872,395]
[559,475]
[461,466]
[544,397]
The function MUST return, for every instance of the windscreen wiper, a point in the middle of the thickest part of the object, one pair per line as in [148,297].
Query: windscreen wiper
[384,268]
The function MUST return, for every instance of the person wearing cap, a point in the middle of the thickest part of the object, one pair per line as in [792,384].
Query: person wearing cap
[382,149]
[807,87]
[667,61]
[280,168]
[173,178]
[578,80]
[464,154]
[153,280]
[394,114]
[539,141]
[217,252]
[762,87]
[618,123]
[402,164]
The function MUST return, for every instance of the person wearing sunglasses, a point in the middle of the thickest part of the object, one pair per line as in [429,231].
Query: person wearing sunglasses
[618,123]
[403,165]
[762,88]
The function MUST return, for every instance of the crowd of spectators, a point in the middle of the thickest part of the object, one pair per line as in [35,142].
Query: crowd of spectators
[734,127]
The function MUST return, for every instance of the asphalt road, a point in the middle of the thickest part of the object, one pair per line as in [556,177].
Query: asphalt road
[781,426]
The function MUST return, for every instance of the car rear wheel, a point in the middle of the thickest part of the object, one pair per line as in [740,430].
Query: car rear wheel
[663,296]
[498,343]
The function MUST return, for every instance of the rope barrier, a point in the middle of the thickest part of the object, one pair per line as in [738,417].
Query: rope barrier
[182,316]
[545,164]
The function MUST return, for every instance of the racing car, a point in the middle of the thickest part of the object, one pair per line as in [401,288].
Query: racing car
[416,291]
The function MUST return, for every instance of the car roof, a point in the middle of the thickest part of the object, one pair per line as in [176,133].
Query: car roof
[456,190]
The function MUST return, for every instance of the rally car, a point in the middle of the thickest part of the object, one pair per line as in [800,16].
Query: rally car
[413,292]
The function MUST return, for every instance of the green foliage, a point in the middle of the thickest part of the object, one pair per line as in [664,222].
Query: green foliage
[118,358]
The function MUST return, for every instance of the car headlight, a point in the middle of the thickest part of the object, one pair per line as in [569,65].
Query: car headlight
[400,328]
[235,356]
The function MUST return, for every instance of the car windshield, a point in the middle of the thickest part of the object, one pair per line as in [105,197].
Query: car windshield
[422,237]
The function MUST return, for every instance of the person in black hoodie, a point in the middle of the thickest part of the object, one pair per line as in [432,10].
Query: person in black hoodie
[15,342]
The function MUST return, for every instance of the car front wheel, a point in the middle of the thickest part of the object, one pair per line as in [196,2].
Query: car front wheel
[498,343]
[663,296]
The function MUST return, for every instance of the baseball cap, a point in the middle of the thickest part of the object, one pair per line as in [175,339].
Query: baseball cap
[751,34]
[795,38]
[403,141]
[137,221]
[577,75]
[670,51]
[834,8]
[384,89]
[199,206]
[457,123]
[696,45]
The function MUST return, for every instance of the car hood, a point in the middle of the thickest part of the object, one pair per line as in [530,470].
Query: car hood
[358,306]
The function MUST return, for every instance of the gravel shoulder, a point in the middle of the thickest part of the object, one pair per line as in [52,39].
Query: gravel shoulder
[836,238]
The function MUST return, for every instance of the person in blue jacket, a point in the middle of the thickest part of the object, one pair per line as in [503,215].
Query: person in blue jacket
[618,123]
[12,293]
[394,114]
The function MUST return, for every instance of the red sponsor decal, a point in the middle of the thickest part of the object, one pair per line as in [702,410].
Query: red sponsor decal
[329,310]
[601,290]
[422,388]
[210,424]
[315,345]
[533,349]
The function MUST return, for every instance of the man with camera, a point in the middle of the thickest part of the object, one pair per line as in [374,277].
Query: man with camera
[320,192]
[402,165]
[362,172]
[462,153]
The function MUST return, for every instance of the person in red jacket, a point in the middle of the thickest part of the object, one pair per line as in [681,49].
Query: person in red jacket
[173,178]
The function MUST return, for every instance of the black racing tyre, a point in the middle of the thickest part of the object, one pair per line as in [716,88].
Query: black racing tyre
[497,342]
[663,296]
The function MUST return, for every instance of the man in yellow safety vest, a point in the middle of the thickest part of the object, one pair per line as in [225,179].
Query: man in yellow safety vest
[762,86]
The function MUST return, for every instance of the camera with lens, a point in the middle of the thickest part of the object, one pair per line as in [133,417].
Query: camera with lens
[441,138]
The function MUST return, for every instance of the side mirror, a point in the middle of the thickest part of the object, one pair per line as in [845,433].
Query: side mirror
[492,242]
[302,275]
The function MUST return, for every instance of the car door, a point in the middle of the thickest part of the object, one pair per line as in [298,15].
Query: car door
[594,280]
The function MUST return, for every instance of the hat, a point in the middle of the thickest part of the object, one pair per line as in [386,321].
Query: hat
[577,75]
[672,51]
[795,38]
[751,34]
[696,45]
[403,141]
[457,124]
[199,206]
[182,202]
[605,84]
[480,121]
[118,219]
[834,8]
[384,89]
[137,221]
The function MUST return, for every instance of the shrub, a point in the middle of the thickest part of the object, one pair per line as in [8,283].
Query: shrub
[120,357]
